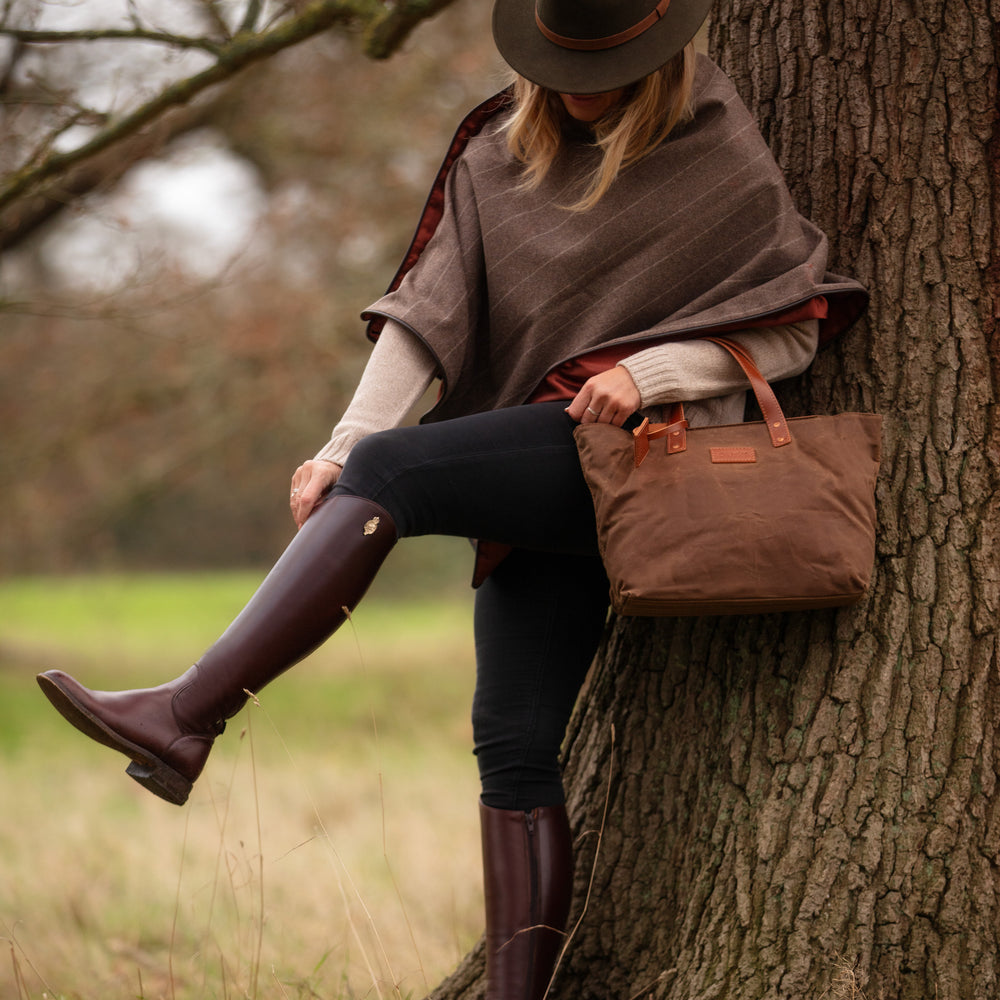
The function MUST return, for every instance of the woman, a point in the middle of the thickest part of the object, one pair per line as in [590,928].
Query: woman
[587,227]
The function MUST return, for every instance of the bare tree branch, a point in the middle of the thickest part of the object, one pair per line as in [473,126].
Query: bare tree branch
[251,16]
[385,28]
[209,9]
[7,72]
[31,36]
[387,33]
[97,173]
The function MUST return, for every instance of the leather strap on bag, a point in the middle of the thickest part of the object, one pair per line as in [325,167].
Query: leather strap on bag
[675,431]
[676,426]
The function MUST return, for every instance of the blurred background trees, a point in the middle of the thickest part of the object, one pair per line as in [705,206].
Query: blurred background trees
[179,313]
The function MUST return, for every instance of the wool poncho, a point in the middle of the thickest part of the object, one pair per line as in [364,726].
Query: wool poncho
[700,234]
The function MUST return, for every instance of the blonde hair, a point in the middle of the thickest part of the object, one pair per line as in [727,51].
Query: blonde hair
[648,113]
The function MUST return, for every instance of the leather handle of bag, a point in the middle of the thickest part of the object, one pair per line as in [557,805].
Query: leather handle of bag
[675,429]
[774,418]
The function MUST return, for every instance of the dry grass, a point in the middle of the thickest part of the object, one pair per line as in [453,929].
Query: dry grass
[328,851]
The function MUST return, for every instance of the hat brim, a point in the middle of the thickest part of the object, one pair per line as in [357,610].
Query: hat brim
[569,71]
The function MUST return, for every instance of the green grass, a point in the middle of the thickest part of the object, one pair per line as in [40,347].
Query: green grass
[329,850]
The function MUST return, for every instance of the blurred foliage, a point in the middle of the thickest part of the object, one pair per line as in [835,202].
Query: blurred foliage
[159,426]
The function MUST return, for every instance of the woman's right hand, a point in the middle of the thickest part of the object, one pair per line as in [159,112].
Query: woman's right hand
[311,482]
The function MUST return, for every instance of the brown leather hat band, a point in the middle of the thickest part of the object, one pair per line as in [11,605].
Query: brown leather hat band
[596,44]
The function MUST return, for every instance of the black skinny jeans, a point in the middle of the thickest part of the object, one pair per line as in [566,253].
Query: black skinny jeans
[509,476]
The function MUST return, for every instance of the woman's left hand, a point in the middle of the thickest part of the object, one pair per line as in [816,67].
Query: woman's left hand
[608,398]
[311,482]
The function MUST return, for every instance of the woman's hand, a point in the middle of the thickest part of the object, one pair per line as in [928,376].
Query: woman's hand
[609,398]
[310,483]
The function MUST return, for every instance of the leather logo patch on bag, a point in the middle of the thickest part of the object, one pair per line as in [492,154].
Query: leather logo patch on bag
[731,456]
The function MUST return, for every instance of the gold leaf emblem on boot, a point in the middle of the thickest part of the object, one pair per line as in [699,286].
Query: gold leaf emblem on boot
[370,526]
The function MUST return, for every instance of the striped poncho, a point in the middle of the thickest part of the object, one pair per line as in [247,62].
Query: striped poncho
[504,284]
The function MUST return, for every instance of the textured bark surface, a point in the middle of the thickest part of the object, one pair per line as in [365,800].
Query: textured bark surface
[805,805]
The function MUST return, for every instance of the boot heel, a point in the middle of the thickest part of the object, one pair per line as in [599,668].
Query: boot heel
[161,780]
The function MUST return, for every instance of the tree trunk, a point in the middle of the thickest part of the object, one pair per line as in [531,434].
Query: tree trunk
[803,805]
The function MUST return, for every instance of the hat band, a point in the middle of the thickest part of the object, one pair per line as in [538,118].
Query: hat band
[610,41]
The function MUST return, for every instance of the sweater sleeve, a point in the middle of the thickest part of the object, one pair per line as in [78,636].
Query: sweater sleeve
[684,370]
[397,374]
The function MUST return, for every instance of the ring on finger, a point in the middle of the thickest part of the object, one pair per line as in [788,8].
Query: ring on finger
[595,413]
[296,490]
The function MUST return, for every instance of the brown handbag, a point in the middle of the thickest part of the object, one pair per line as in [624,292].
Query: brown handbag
[777,515]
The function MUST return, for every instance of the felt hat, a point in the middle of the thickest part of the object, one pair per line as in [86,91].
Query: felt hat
[593,46]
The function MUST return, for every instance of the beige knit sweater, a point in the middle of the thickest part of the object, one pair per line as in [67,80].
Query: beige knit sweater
[696,372]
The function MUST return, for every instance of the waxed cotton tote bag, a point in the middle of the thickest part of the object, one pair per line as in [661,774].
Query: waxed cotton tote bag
[777,515]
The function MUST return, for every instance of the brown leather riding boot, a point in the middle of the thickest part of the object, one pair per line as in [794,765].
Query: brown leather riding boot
[167,731]
[528,883]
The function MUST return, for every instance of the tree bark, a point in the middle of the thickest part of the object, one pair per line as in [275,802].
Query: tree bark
[803,805]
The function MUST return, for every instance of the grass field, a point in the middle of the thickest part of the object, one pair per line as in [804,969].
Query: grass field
[329,850]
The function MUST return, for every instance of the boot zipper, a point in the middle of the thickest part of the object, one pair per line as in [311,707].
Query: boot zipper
[534,915]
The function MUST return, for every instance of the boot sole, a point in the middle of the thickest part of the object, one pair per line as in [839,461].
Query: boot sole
[146,768]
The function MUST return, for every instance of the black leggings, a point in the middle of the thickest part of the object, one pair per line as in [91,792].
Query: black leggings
[509,476]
